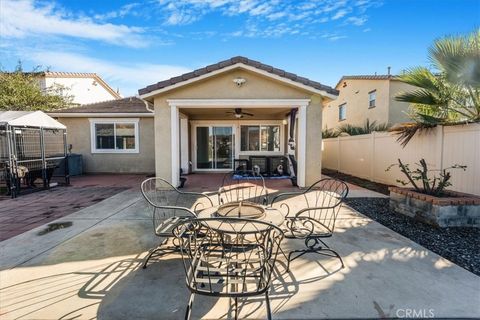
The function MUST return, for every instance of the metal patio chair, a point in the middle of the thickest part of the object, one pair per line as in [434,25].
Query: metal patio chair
[228,257]
[313,217]
[246,186]
[169,206]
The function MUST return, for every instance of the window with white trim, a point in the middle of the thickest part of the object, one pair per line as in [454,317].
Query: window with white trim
[342,112]
[372,97]
[114,136]
[260,138]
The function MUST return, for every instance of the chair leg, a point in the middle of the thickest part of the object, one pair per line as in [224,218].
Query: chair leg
[145,261]
[154,250]
[267,302]
[302,252]
[335,254]
[188,312]
[236,308]
[322,251]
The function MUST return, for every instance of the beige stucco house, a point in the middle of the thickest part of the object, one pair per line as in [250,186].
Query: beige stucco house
[115,136]
[83,87]
[209,117]
[366,97]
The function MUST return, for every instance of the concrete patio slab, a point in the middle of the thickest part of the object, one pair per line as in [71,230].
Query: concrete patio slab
[92,270]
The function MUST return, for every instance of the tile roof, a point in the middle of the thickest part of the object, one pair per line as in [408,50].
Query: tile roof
[233,61]
[125,105]
[62,74]
[69,74]
[368,77]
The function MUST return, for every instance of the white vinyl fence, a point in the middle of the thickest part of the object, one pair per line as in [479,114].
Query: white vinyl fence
[368,156]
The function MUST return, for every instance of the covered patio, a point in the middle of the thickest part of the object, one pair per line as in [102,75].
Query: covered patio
[92,269]
[211,119]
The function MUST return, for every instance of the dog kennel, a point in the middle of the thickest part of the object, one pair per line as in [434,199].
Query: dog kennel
[32,145]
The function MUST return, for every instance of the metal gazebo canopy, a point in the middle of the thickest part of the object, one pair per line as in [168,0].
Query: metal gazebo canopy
[32,145]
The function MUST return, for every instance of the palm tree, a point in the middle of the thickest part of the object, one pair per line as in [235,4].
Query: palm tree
[366,128]
[451,94]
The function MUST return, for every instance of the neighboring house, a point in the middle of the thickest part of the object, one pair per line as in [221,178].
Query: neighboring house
[197,119]
[366,97]
[84,87]
[113,136]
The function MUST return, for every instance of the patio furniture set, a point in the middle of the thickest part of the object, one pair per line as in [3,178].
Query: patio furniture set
[230,249]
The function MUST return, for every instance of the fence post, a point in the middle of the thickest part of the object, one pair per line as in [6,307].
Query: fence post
[44,163]
[338,154]
[372,156]
[439,137]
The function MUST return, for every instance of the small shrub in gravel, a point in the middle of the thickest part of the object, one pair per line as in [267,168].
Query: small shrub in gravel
[458,244]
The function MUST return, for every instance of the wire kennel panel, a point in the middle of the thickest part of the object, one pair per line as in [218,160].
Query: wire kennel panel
[34,153]
[3,145]
[54,141]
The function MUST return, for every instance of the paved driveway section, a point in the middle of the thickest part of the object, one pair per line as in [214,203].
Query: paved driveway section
[31,210]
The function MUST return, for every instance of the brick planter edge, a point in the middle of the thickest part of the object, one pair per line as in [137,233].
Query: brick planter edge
[459,210]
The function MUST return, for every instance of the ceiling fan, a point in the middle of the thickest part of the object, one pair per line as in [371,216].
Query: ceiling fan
[239,114]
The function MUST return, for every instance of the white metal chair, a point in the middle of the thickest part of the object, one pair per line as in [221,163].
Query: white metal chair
[169,206]
[315,219]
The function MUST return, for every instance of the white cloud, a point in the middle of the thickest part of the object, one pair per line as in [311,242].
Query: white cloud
[120,13]
[333,36]
[358,21]
[128,77]
[265,18]
[22,19]
[340,14]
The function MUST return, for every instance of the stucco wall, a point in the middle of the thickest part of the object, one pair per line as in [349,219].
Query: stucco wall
[398,110]
[222,87]
[82,89]
[78,134]
[355,95]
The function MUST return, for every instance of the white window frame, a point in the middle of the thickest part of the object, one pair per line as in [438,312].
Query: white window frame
[370,99]
[235,124]
[114,121]
[259,151]
[339,113]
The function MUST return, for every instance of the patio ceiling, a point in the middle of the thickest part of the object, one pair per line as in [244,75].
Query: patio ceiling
[221,113]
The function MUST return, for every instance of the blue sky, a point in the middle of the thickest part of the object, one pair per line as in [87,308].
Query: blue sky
[132,44]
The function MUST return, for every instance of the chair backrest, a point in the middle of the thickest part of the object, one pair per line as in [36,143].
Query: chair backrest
[228,256]
[168,201]
[321,202]
[247,186]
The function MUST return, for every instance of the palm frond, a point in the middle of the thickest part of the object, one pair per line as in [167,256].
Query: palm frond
[407,131]
[420,77]
[419,96]
[366,128]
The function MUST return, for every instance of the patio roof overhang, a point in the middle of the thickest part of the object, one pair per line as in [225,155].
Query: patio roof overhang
[149,92]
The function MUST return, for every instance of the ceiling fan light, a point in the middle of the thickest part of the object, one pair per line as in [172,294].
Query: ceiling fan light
[238,115]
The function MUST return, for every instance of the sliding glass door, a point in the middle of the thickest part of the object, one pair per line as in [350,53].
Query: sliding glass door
[214,148]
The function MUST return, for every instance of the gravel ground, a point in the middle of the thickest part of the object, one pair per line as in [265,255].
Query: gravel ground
[459,245]
[367,184]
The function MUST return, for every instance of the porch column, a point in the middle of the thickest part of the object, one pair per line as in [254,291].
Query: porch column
[301,145]
[175,145]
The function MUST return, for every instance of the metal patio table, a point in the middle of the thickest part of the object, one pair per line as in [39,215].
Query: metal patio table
[269,215]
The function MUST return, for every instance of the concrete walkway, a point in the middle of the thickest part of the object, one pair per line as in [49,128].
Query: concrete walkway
[91,269]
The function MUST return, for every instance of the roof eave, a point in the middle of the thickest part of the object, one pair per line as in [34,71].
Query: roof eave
[100,114]
[147,96]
